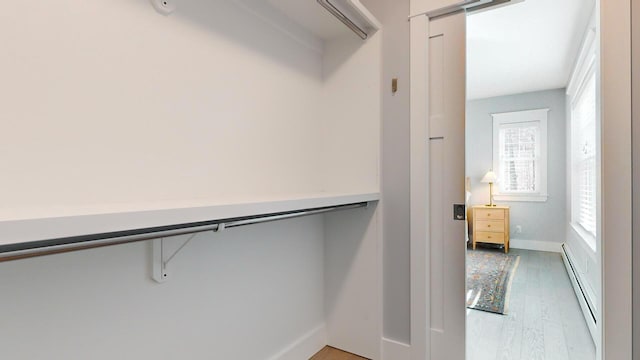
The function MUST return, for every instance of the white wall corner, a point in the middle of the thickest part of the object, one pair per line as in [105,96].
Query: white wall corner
[304,347]
[395,350]
[549,246]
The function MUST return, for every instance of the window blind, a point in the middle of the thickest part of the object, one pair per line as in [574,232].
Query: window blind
[584,152]
[519,144]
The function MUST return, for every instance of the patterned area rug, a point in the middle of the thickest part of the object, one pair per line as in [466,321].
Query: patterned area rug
[489,275]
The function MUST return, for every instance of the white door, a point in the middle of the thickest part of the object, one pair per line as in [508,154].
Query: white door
[437,183]
[446,233]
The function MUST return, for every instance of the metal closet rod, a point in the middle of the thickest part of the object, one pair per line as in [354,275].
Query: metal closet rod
[343,18]
[83,242]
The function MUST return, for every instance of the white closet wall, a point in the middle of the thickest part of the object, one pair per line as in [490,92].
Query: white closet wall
[244,294]
[112,107]
[352,72]
[351,113]
[113,103]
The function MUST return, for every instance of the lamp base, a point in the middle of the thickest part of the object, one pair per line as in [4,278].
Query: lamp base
[490,205]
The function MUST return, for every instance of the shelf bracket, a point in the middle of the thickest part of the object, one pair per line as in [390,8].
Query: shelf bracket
[162,256]
[162,253]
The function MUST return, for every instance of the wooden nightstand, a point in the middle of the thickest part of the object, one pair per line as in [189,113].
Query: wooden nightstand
[490,225]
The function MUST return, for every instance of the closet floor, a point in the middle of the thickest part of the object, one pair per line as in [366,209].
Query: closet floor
[543,320]
[329,353]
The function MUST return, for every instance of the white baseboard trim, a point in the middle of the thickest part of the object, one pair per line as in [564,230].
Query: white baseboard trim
[304,347]
[567,258]
[395,350]
[536,245]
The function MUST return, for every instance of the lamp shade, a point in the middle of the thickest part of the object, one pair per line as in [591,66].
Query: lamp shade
[489,177]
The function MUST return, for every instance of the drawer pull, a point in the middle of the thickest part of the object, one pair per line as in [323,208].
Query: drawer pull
[488,225]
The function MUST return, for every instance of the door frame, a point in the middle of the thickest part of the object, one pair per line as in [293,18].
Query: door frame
[615,318]
[419,185]
[615,299]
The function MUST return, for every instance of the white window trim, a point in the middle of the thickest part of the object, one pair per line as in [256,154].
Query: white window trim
[521,117]
[584,68]
[586,60]
[586,236]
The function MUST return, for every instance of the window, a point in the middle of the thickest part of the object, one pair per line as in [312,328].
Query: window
[583,156]
[583,141]
[520,155]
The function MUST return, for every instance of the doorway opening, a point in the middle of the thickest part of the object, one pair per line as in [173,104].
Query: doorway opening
[532,190]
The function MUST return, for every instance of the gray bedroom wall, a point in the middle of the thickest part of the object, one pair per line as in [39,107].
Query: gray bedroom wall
[540,221]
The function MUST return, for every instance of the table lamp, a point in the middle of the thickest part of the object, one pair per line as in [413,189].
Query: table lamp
[490,177]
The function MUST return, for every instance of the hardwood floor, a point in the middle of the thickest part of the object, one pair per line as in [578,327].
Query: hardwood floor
[329,353]
[543,321]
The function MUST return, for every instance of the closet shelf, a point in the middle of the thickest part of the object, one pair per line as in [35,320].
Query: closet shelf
[42,236]
[324,18]
[313,21]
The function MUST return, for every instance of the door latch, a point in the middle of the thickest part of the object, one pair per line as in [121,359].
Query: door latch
[459,211]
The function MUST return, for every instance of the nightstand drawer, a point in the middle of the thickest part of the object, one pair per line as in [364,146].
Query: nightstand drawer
[490,225]
[490,237]
[489,214]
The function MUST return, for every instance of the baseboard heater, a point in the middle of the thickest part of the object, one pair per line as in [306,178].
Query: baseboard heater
[578,286]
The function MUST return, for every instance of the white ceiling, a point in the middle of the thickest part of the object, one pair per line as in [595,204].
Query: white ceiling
[523,47]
